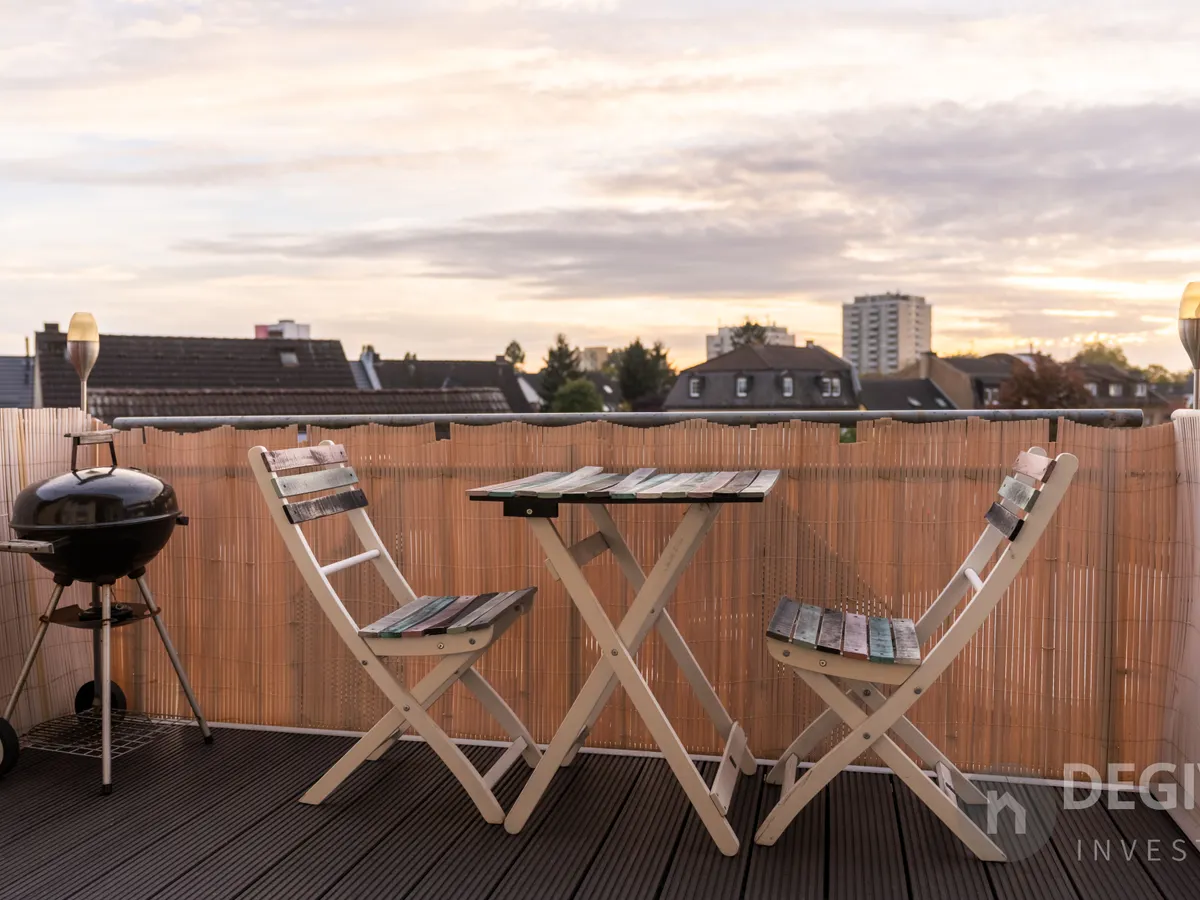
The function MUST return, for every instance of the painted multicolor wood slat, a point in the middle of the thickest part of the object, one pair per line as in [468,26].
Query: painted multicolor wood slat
[808,626]
[1034,466]
[1021,495]
[329,505]
[881,640]
[311,482]
[852,635]
[591,484]
[1004,521]
[829,639]
[854,638]
[299,457]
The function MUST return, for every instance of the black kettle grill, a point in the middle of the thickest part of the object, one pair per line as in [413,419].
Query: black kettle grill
[96,525]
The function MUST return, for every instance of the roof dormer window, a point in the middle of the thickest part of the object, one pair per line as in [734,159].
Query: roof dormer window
[788,386]
[742,386]
[695,384]
[831,386]
[289,358]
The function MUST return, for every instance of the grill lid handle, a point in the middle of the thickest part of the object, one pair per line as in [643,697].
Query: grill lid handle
[92,437]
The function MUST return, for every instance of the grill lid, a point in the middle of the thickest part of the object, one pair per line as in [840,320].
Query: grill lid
[87,498]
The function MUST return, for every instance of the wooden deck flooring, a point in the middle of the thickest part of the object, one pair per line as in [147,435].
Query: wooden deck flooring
[189,821]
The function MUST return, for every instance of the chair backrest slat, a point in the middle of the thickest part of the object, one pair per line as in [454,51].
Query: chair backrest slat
[299,457]
[1033,465]
[311,482]
[329,505]
[1004,521]
[1021,495]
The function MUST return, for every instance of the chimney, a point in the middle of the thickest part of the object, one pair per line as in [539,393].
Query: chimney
[925,363]
[809,343]
[50,328]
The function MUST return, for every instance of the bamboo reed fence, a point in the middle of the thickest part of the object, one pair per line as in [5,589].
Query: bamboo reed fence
[1076,666]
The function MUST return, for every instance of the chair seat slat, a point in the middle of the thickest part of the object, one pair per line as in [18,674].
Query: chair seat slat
[434,606]
[829,639]
[908,649]
[808,626]
[784,620]
[854,640]
[437,623]
[488,613]
[881,648]
[330,505]
[395,616]
[298,457]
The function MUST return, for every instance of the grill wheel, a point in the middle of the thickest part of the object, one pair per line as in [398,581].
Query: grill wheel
[10,747]
[85,700]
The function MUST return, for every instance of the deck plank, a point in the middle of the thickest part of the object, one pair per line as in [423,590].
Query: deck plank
[639,848]
[698,869]
[1174,862]
[865,857]
[794,868]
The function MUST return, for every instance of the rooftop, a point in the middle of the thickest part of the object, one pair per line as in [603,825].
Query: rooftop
[156,362]
[107,404]
[189,820]
[774,357]
[437,373]
[902,393]
[16,381]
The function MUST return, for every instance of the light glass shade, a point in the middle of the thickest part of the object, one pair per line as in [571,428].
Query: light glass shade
[83,327]
[1189,306]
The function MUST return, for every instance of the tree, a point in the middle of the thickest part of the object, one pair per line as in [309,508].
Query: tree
[577,395]
[1098,353]
[1158,374]
[749,332]
[409,356]
[1048,385]
[644,374]
[515,355]
[562,365]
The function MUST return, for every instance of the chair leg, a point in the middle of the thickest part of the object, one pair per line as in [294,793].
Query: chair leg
[819,729]
[502,713]
[382,735]
[908,733]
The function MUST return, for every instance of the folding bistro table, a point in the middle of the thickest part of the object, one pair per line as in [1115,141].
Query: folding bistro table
[537,498]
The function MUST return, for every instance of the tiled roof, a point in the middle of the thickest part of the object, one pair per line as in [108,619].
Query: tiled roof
[437,373]
[769,357]
[16,381]
[996,365]
[609,388]
[902,393]
[107,404]
[152,362]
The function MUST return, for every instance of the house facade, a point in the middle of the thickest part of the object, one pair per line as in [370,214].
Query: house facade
[767,377]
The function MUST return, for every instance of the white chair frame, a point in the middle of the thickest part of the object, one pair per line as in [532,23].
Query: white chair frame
[459,654]
[869,728]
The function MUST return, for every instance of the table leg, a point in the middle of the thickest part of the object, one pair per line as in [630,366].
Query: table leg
[617,664]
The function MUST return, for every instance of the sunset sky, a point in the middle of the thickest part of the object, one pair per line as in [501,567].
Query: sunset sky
[447,177]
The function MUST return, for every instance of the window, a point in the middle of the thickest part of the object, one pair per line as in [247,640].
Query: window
[831,387]
[1092,388]
[1115,390]
[289,358]
[693,387]
[789,386]
[742,386]
[1141,390]
[991,396]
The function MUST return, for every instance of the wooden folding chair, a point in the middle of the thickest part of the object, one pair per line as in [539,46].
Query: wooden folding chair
[458,629]
[825,644]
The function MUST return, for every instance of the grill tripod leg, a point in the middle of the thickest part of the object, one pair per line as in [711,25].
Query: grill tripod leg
[33,652]
[175,661]
[105,689]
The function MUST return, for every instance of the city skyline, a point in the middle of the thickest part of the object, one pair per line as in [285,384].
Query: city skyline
[444,180]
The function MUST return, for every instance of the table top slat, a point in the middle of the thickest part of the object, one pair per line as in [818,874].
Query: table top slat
[509,488]
[711,485]
[555,488]
[591,484]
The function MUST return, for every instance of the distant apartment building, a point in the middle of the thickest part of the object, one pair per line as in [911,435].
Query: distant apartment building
[287,329]
[593,359]
[883,333]
[722,342]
